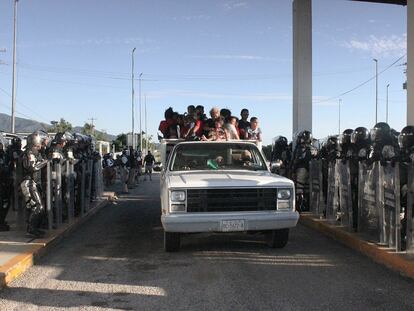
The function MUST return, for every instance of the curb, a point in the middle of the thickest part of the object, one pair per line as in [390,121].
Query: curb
[398,262]
[19,264]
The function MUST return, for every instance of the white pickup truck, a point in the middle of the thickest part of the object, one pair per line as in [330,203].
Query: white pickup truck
[223,187]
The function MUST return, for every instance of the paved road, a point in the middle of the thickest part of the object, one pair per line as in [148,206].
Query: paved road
[116,262]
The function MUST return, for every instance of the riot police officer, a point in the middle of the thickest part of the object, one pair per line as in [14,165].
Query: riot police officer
[330,151]
[303,153]
[360,144]
[281,156]
[406,144]
[346,147]
[384,147]
[30,186]
[57,148]
[5,186]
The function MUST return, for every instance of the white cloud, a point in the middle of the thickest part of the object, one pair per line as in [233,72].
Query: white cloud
[233,5]
[380,46]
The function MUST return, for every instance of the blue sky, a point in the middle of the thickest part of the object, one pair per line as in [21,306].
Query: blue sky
[74,60]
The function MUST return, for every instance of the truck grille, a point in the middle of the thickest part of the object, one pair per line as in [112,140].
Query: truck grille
[231,200]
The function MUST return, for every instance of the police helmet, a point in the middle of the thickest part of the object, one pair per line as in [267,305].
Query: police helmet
[60,138]
[346,137]
[281,141]
[34,140]
[332,141]
[360,135]
[304,137]
[406,137]
[380,132]
[16,142]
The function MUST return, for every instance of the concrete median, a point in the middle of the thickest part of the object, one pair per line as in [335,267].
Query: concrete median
[400,262]
[17,254]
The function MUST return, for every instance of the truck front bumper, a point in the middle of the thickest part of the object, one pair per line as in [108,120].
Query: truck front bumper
[212,222]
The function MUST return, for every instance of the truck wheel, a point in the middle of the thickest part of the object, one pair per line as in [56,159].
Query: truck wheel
[171,241]
[277,238]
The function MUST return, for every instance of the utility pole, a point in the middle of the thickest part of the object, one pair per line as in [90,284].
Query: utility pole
[376,90]
[93,125]
[140,113]
[386,116]
[146,129]
[132,101]
[13,111]
[339,116]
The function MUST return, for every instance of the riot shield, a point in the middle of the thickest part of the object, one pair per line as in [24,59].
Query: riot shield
[368,190]
[98,177]
[345,194]
[332,201]
[57,192]
[317,206]
[49,207]
[390,205]
[89,170]
[82,190]
[409,210]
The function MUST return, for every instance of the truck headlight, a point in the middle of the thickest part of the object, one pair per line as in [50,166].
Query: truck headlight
[177,196]
[283,194]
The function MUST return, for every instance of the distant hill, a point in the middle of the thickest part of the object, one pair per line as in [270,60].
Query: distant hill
[22,125]
[29,126]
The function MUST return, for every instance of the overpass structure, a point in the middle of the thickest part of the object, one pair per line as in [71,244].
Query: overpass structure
[302,61]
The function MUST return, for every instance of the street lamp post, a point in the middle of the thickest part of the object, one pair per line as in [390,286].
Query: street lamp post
[146,129]
[132,100]
[386,117]
[140,113]
[13,111]
[376,90]
[339,115]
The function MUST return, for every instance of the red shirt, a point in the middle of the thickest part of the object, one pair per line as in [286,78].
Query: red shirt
[200,125]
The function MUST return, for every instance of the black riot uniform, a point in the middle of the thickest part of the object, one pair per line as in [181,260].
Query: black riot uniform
[346,147]
[303,153]
[80,155]
[406,144]
[5,186]
[30,186]
[384,146]
[361,146]
[328,154]
[14,155]
[281,156]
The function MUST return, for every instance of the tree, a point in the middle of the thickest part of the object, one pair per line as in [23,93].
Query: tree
[88,129]
[61,126]
[120,142]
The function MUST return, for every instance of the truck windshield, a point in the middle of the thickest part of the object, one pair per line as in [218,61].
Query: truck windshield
[220,156]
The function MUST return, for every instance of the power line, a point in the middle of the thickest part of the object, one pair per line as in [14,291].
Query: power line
[361,84]
[174,77]
[27,107]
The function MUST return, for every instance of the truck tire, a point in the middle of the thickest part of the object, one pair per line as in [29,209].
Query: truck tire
[277,238]
[172,241]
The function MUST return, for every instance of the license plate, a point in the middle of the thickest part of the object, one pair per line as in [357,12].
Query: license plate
[232,225]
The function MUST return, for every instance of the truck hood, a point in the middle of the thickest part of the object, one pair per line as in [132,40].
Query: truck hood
[224,179]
